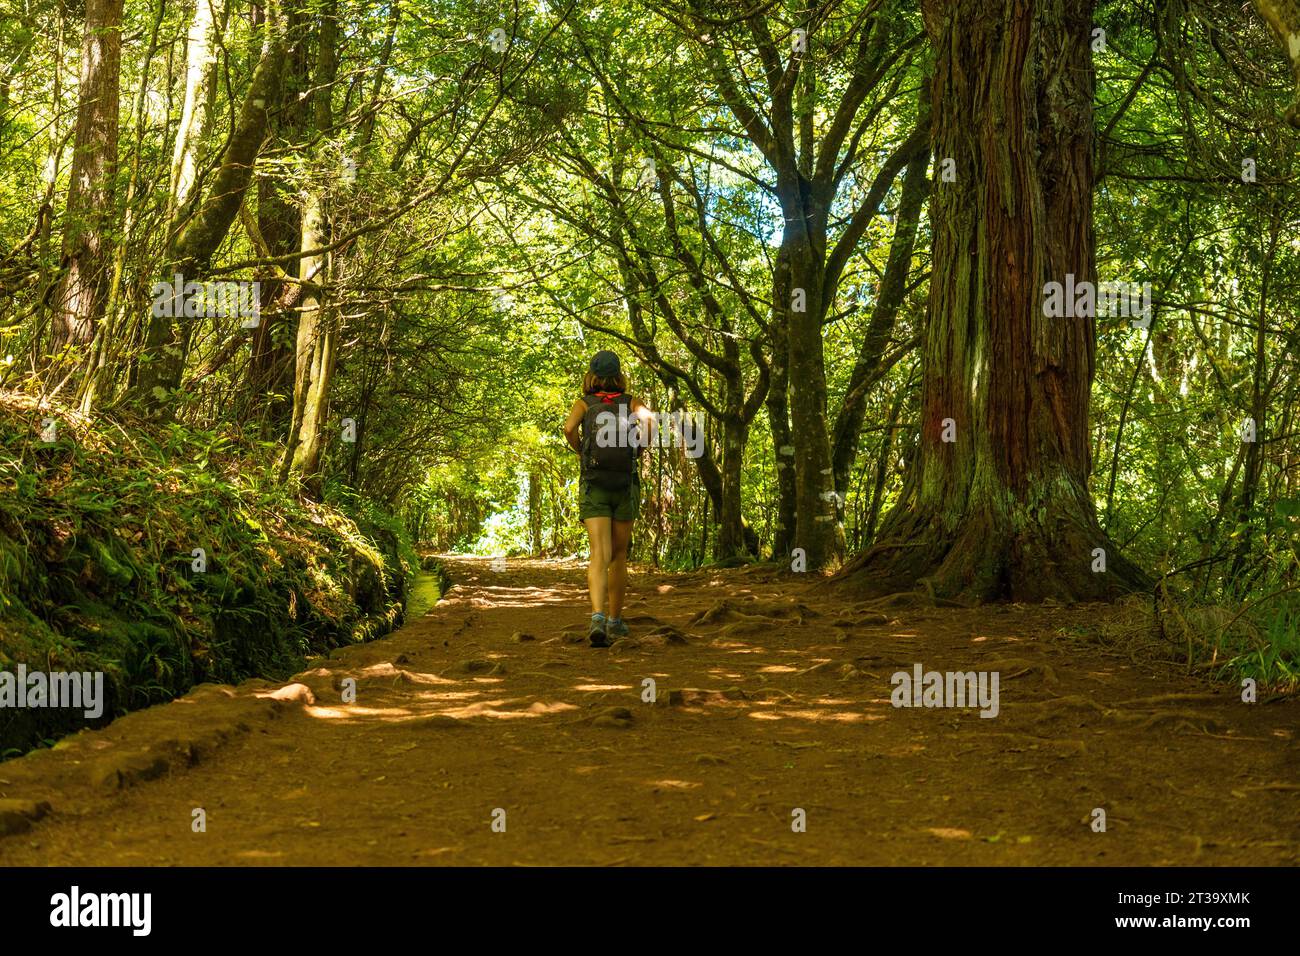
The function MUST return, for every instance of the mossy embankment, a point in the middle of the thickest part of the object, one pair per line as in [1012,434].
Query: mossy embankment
[164,557]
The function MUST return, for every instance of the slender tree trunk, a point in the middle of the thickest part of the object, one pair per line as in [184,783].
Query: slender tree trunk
[778,418]
[86,246]
[818,531]
[200,72]
[103,349]
[317,323]
[167,337]
[731,541]
[893,286]
[534,512]
[315,355]
[1253,440]
[271,364]
[998,505]
[882,467]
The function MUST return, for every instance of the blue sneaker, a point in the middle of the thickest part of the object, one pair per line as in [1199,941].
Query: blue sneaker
[597,633]
[616,628]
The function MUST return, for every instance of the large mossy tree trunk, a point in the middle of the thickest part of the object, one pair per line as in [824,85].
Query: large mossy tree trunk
[997,504]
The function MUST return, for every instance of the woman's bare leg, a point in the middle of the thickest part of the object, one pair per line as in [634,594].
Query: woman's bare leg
[600,538]
[620,536]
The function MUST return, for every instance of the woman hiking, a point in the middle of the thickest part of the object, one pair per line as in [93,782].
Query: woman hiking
[606,428]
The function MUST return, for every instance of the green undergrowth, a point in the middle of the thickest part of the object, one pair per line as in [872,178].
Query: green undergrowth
[1258,640]
[163,557]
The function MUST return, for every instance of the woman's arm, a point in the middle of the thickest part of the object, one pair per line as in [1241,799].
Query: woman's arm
[573,423]
[645,421]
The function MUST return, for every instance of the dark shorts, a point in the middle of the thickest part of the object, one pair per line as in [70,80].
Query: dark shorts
[621,505]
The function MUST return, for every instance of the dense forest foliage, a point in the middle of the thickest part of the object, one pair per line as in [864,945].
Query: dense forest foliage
[990,298]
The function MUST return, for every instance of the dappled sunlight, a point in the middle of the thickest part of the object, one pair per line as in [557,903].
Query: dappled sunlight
[558,707]
[778,669]
[600,687]
[674,784]
[387,671]
[352,711]
[836,716]
[949,833]
[495,708]
[502,603]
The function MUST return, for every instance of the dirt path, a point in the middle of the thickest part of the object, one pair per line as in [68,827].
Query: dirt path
[778,699]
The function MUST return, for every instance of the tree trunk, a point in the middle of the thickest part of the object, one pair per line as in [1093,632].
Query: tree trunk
[1258,429]
[104,360]
[1002,508]
[315,356]
[166,338]
[783,445]
[271,364]
[893,286]
[200,71]
[818,531]
[731,540]
[1284,17]
[534,512]
[90,189]
[317,324]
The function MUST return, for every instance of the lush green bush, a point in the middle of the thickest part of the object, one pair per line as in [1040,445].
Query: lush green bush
[100,564]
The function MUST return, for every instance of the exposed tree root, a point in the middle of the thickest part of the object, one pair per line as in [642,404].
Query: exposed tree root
[1021,666]
[1032,555]
[1171,699]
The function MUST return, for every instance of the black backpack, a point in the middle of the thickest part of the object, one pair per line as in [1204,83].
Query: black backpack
[610,464]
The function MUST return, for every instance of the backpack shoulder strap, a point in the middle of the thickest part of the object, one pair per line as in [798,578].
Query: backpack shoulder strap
[590,401]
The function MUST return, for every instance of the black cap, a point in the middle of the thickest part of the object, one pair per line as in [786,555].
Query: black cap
[604,364]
